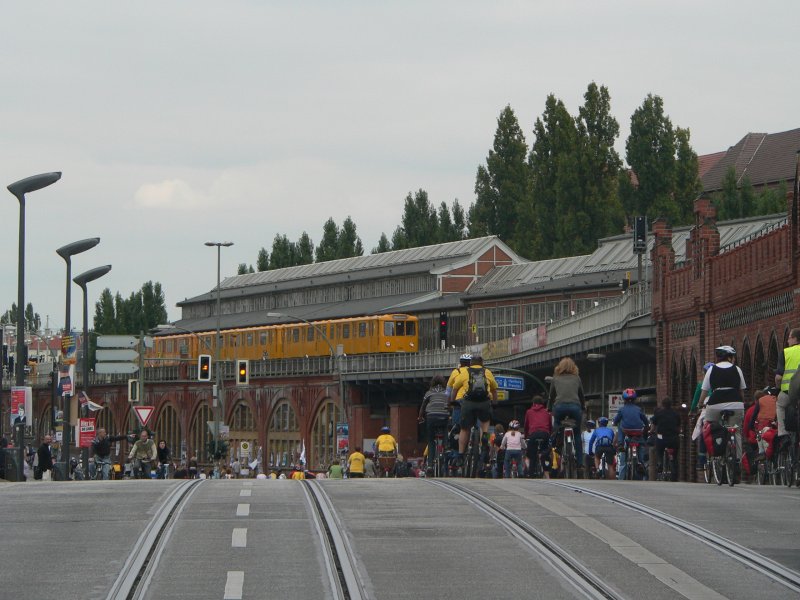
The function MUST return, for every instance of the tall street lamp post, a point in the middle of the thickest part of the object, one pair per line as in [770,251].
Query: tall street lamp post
[602,358]
[218,396]
[67,252]
[82,280]
[19,189]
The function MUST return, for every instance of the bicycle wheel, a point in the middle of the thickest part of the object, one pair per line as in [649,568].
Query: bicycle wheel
[630,466]
[717,471]
[761,473]
[730,463]
[791,468]
[781,464]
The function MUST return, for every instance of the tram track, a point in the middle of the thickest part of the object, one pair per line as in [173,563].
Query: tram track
[134,578]
[764,565]
[585,581]
[340,559]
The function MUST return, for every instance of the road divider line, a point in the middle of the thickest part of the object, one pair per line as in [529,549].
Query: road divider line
[239,538]
[234,585]
[243,510]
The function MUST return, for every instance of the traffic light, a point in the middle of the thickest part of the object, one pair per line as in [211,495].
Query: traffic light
[133,390]
[204,367]
[640,235]
[443,326]
[242,372]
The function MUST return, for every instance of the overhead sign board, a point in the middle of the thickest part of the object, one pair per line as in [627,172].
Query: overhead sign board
[506,382]
[117,341]
[117,355]
[143,413]
[120,367]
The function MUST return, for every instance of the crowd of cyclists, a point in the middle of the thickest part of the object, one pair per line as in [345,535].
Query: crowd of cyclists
[554,441]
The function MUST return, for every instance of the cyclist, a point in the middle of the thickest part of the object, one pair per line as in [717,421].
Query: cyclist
[102,452]
[764,410]
[142,455]
[463,364]
[434,413]
[602,443]
[477,389]
[538,428]
[788,363]
[587,456]
[385,444]
[566,398]
[629,420]
[513,443]
[497,454]
[667,424]
[722,390]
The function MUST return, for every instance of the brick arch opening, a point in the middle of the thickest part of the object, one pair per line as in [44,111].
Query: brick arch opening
[745,362]
[772,360]
[675,380]
[759,367]
[167,427]
[325,435]
[283,437]
[199,436]
[243,429]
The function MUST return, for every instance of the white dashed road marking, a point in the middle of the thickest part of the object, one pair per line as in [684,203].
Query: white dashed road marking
[233,586]
[243,510]
[239,538]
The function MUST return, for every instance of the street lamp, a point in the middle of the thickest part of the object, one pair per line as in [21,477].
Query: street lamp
[67,252]
[217,395]
[19,189]
[82,280]
[602,358]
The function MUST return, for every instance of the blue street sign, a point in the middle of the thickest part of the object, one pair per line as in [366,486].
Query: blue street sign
[507,382]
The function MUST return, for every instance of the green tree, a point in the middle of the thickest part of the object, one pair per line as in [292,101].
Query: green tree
[650,151]
[459,221]
[262,262]
[241,269]
[305,250]
[420,224]
[143,310]
[502,186]
[687,177]
[383,245]
[154,310]
[349,244]
[399,239]
[549,159]
[772,200]
[727,200]
[329,244]
[10,316]
[105,314]
[283,253]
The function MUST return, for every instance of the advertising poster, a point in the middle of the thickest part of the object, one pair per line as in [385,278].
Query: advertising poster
[86,428]
[69,349]
[343,438]
[66,377]
[21,405]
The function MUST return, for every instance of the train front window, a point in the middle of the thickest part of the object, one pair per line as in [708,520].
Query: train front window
[400,328]
[411,328]
[388,328]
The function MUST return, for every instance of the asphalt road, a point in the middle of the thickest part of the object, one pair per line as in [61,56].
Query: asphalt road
[410,538]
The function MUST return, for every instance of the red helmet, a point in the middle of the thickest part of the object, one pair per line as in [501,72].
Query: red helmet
[629,394]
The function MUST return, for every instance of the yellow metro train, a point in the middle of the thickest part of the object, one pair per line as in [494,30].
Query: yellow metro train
[359,335]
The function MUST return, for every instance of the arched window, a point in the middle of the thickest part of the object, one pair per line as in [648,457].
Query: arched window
[243,428]
[168,427]
[199,434]
[324,438]
[772,361]
[746,365]
[283,437]
[759,368]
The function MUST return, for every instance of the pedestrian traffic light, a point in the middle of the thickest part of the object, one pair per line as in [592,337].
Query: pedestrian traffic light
[204,367]
[133,390]
[443,326]
[242,372]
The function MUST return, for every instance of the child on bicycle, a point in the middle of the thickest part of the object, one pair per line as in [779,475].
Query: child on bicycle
[630,422]
[602,444]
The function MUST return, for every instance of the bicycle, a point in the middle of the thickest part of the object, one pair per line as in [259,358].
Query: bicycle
[569,466]
[386,460]
[439,466]
[472,455]
[724,467]
[668,465]
[536,468]
[633,467]
[603,471]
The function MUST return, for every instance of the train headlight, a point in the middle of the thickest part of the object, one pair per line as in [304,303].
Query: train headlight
[388,344]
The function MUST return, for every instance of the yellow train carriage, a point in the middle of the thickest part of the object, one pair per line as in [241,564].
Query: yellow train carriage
[358,335]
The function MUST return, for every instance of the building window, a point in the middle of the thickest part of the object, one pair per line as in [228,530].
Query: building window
[283,438]
[324,445]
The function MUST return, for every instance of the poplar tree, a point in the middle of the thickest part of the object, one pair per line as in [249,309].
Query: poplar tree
[328,245]
[305,250]
[687,177]
[348,242]
[383,245]
[262,262]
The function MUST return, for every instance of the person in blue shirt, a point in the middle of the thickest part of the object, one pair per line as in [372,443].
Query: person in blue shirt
[602,442]
[629,420]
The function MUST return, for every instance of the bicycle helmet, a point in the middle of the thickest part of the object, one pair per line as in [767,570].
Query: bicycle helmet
[724,351]
[513,424]
[629,394]
[385,429]
[603,421]
[465,358]
[707,366]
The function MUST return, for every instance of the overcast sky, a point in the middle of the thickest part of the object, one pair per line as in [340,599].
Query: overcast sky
[176,123]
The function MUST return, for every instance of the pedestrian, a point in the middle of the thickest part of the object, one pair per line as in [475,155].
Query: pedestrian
[336,471]
[355,464]
[45,460]
[297,473]
[193,472]
[101,445]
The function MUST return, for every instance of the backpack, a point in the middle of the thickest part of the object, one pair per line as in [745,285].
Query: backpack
[476,386]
